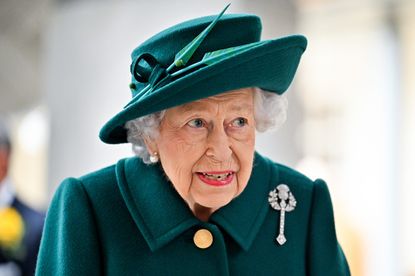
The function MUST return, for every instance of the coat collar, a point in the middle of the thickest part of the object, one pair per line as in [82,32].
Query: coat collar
[161,214]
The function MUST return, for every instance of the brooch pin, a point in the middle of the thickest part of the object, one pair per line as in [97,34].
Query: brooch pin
[281,199]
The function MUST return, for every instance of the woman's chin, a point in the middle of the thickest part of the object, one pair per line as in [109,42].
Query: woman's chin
[214,197]
[213,202]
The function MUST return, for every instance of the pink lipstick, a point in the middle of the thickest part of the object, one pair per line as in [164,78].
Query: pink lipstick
[216,178]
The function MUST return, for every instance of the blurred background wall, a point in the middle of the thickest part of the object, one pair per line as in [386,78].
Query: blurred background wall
[64,72]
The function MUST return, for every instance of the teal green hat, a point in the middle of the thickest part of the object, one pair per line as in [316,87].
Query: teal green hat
[201,58]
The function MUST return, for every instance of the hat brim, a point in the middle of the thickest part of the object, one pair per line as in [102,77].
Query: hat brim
[270,65]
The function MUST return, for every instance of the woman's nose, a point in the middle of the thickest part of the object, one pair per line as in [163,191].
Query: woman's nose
[218,144]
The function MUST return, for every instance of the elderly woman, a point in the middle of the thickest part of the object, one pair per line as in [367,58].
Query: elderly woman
[198,199]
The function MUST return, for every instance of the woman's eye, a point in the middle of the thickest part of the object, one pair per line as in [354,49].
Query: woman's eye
[239,122]
[196,123]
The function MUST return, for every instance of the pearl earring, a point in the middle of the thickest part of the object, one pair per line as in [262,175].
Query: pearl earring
[154,158]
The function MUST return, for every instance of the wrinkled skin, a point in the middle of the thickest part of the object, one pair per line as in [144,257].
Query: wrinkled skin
[215,135]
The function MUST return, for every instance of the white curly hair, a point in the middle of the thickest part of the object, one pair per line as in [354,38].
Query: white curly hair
[270,112]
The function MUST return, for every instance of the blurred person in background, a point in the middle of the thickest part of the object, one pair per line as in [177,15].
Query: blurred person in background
[20,226]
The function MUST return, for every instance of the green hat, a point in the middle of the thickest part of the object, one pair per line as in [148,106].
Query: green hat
[201,58]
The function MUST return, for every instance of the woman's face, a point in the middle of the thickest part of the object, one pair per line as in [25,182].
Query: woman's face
[206,149]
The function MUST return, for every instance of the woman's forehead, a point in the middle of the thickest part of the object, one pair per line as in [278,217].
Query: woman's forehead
[236,100]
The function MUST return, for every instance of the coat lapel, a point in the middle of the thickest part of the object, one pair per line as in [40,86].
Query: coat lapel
[243,216]
[162,215]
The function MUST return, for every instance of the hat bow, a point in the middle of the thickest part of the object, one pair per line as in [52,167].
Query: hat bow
[147,69]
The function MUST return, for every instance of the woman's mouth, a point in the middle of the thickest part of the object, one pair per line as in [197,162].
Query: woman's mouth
[216,178]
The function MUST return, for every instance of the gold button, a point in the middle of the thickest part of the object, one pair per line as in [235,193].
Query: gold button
[203,238]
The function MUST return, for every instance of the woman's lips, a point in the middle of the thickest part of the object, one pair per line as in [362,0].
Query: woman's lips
[216,178]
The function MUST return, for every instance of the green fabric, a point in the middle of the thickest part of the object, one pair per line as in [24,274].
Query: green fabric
[185,54]
[127,219]
[180,60]
[268,64]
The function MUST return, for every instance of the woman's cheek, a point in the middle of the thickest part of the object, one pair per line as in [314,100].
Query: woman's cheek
[246,136]
[192,136]
[183,145]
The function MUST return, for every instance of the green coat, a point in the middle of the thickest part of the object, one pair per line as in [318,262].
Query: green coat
[127,219]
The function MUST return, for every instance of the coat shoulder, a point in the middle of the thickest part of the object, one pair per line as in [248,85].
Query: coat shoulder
[100,187]
[291,177]
[100,177]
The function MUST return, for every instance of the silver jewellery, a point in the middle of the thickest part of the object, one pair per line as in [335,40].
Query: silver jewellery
[281,199]
[154,158]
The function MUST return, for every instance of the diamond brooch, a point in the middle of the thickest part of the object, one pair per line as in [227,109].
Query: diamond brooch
[281,199]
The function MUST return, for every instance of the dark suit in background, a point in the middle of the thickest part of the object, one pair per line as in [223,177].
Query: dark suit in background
[23,261]
[33,222]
